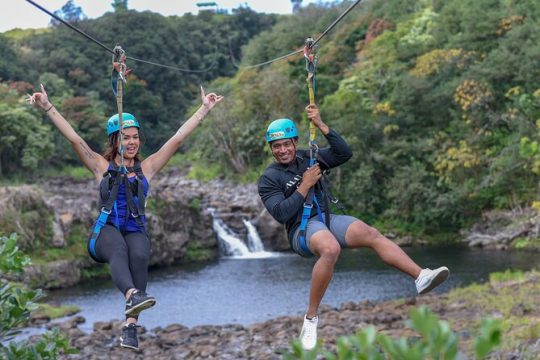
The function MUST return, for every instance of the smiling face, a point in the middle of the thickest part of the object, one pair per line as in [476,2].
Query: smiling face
[131,142]
[284,151]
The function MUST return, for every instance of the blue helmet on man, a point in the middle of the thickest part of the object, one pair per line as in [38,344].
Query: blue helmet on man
[281,129]
[128,120]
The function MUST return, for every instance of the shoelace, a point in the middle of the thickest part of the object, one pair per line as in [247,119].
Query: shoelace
[310,331]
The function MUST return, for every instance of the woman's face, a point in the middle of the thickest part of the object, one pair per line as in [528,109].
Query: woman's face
[131,142]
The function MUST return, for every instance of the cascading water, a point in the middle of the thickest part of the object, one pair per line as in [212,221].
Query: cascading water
[232,246]
[254,242]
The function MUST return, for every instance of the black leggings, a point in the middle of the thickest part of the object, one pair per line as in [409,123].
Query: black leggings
[128,256]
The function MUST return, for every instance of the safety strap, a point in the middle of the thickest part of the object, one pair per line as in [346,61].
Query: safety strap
[118,77]
[132,208]
[107,203]
[311,198]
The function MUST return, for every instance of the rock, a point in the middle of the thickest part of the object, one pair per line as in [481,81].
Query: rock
[499,228]
[58,239]
[271,232]
[177,213]
[52,275]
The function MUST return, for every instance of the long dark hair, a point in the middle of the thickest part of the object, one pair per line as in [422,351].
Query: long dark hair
[111,149]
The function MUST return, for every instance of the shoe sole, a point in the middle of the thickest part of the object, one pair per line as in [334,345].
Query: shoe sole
[136,310]
[128,346]
[437,280]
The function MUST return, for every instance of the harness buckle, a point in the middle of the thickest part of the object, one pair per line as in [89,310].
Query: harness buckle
[104,210]
[135,215]
[308,206]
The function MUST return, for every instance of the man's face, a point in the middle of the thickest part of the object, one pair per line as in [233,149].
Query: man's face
[284,151]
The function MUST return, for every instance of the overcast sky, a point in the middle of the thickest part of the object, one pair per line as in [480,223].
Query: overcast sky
[21,14]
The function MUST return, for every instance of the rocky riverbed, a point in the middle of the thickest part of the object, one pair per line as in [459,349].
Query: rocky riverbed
[516,302]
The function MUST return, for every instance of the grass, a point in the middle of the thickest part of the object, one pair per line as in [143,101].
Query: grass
[525,243]
[55,312]
[195,252]
[76,248]
[74,172]
[513,297]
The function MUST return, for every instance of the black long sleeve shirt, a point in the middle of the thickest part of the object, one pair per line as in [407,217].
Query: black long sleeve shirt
[278,181]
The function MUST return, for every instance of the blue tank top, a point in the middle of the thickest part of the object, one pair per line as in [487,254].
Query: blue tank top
[118,216]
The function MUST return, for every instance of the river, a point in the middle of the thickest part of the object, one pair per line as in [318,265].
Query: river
[246,291]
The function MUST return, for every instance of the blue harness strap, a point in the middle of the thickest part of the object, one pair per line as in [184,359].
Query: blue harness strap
[311,199]
[98,225]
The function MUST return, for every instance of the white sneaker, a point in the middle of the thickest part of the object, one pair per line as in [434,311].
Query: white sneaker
[430,279]
[308,335]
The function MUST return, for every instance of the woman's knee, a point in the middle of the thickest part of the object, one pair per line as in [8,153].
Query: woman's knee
[109,250]
[139,256]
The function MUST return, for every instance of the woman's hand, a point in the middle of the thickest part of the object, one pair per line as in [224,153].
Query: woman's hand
[210,100]
[40,99]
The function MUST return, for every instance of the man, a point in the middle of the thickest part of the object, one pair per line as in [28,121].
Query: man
[284,187]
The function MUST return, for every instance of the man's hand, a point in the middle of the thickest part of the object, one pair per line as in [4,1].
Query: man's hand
[314,116]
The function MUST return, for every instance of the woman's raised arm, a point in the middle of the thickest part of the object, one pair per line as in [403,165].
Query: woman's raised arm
[156,161]
[92,160]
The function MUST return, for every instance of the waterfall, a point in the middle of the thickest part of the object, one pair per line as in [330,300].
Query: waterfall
[254,242]
[232,246]
[229,243]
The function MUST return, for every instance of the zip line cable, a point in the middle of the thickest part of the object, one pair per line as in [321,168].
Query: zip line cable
[214,62]
[334,23]
[112,51]
[276,59]
[70,26]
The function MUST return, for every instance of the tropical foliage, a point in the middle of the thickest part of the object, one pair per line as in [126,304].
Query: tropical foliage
[16,303]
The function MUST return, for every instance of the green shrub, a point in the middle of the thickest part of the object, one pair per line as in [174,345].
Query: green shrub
[16,303]
[436,341]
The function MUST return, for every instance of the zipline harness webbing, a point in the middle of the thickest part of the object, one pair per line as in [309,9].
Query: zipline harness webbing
[118,79]
[311,62]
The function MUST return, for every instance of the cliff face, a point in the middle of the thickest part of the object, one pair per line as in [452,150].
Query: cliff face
[54,219]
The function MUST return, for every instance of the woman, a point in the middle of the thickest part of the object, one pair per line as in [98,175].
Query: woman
[119,237]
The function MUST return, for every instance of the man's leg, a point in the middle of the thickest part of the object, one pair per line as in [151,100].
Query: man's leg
[360,234]
[324,245]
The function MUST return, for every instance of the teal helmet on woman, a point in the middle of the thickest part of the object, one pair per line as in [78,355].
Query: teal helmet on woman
[281,129]
[128,120]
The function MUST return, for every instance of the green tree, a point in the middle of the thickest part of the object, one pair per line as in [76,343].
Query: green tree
[69,12]
[120,5]
[24,140]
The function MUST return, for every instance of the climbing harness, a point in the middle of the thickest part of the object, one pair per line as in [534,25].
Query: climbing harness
[108,192]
